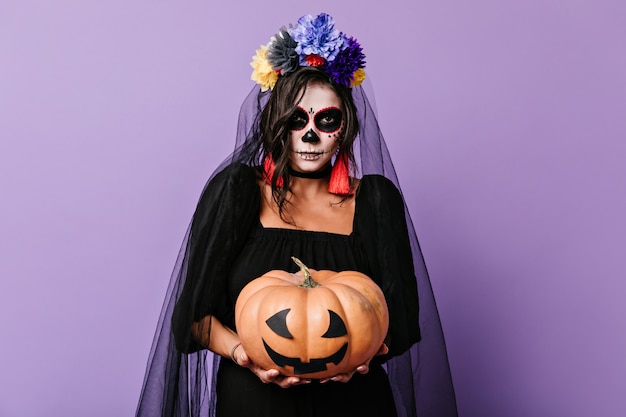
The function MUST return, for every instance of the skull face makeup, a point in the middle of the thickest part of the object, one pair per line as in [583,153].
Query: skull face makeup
[315,132]
[328,120]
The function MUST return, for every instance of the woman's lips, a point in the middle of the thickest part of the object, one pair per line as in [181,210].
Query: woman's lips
[311,155]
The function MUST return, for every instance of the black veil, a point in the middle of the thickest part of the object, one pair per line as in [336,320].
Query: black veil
[183,384]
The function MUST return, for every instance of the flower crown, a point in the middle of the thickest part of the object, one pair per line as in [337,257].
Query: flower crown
[314,42]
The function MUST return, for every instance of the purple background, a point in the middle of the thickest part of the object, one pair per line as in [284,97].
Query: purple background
[506,120]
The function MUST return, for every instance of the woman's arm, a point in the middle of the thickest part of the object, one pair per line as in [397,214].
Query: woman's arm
[386,239]
[222,340]
[225,213]
[213,335]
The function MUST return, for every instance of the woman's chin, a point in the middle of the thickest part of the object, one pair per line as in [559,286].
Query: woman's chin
[310,166]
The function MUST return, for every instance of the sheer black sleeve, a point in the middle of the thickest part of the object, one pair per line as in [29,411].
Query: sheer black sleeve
[383,227]
[224,215]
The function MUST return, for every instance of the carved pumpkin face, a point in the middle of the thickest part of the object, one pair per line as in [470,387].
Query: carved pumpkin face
[311,331]
[308,365]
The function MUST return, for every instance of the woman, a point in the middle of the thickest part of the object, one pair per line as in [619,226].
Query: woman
[291,189]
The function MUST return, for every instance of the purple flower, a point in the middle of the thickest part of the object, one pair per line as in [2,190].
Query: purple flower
[348,60]
[281,52]
[317,36]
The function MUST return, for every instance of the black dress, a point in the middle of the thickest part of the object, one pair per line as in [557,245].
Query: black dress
[378,247]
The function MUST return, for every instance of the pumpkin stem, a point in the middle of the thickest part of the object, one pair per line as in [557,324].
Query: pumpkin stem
[308,279]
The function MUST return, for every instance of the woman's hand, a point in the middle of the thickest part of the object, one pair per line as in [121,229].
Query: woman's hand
[220,339]
[267,376]
[362,369]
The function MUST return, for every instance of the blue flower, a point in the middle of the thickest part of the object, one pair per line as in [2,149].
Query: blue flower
[317,35]
[348,60]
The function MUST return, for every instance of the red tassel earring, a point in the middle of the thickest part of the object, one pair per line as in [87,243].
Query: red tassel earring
[268,171]
[340,176]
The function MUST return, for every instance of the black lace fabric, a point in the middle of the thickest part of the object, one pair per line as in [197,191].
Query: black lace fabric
[180,378]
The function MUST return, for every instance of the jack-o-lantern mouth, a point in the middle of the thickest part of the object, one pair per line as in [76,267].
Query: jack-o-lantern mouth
[299,367]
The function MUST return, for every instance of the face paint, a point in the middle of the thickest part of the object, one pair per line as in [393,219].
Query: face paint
[298,120]
[310,137]
[315,128]
[327,120]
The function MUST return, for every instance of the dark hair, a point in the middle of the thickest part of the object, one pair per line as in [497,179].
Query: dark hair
[287,93]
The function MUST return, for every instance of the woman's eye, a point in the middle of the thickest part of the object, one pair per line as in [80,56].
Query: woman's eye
[328,120]
[298,120]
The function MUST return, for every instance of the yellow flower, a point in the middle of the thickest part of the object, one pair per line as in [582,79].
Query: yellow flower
[262,71]
[357,77]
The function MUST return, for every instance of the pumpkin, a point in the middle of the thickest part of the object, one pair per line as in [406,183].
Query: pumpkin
[312,324]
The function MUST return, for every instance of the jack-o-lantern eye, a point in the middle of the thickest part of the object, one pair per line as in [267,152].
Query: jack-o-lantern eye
[337,327]
[278,323]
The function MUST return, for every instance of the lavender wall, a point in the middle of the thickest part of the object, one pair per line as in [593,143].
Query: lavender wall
[506,121]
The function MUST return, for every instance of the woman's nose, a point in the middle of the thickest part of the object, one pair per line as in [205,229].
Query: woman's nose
[310,137]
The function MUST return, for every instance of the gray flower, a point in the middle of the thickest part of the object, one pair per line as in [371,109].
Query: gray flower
[281,52]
